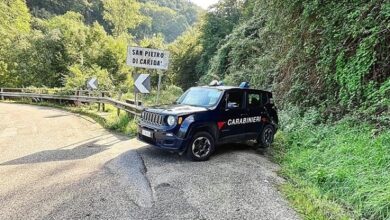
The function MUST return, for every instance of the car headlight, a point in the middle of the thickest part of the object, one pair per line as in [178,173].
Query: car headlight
[171,120]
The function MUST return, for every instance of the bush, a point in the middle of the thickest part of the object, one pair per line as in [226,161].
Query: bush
[168,95]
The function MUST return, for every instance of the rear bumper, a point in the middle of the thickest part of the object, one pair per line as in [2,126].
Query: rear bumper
[163,140]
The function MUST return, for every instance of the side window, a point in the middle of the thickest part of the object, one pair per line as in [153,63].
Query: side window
[234,100]
[254,100]
[265,99]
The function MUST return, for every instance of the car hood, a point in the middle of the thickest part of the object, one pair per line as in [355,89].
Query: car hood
[175,109]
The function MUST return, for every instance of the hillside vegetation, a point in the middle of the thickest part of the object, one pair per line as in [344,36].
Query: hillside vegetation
[329,54]
[170,18]
[328,64]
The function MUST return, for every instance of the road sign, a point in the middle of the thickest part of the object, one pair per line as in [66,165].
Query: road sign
[142,83]
[147,58]
[92,83]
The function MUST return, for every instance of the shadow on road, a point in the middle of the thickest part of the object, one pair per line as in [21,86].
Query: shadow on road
[221,151]
[79,152]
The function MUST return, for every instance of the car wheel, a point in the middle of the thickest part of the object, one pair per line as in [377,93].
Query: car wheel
[200,147]
[266,137]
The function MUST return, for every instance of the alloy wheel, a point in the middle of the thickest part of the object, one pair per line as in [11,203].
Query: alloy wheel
[201,147]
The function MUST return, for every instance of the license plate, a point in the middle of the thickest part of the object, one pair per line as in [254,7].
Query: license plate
[147,133]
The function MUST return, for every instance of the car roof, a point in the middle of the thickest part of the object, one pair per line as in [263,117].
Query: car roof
[226,88]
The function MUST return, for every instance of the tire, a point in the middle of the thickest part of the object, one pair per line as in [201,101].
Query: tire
[201,147]
[266,137]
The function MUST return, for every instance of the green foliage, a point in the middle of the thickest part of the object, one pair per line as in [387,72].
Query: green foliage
[186,8]
[185,53]
[171,18]
[123,15]
[350,72]
[52,52]
[217,24]
[14,18]
[164,20]
[310,53]
[79,75]
[50,8]
[122,123]
[168,96]
[346,162]
[15,22]
[308,201]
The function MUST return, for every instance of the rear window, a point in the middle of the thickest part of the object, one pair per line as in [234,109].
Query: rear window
[256,100]
[235,99]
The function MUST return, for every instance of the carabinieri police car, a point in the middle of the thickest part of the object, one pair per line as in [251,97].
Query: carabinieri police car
[204,117]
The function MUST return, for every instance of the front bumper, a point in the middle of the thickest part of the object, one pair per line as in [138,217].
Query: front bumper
[162,139]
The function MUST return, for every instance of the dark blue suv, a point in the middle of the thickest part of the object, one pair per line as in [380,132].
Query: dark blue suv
[204,117]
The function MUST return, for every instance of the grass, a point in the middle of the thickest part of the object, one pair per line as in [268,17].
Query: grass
[335,171]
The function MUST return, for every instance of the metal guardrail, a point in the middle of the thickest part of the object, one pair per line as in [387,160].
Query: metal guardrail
[130,108]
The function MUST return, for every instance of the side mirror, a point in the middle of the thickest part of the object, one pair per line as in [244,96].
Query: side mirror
[232,105]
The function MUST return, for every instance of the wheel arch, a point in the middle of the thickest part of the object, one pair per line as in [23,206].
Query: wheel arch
[203,127]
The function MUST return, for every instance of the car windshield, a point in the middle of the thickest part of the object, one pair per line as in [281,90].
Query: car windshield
[204,97]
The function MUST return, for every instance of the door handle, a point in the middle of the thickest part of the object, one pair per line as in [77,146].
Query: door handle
[242,115]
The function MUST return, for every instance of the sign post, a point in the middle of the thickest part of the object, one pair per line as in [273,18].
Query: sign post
[92,84]
[158,87]
[148,59]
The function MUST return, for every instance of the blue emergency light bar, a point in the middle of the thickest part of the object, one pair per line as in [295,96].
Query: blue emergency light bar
[244,85]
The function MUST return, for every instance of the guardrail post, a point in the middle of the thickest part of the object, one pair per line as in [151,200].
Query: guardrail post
[1,90]
[119,99]
[99,102]
[77,103]
[103,105]
[22,91]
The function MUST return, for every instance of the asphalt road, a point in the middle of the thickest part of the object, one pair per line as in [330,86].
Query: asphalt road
[58,165]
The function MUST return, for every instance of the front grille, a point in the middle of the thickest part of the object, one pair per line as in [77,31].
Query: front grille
[153,118]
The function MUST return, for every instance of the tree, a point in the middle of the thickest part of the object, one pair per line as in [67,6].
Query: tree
[163,20]
[15,18]
[123,15]
[171,18]
[185,53]
[217,24]
[64,47]
[15,23]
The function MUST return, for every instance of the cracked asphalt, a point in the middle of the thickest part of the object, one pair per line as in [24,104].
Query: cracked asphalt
[59,165]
